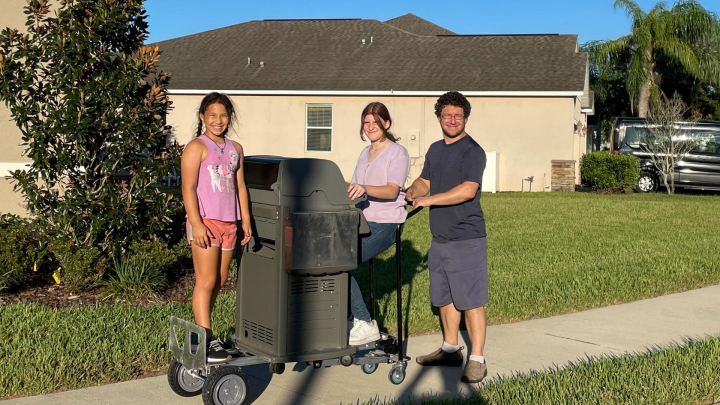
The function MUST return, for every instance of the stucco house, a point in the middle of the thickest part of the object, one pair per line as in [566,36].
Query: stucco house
[300,86]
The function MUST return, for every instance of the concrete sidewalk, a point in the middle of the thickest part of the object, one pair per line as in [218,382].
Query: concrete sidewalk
[511,348]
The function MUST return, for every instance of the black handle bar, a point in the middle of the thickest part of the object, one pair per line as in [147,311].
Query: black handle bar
[413,212]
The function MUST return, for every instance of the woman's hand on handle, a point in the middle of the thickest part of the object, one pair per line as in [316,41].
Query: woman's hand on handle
[356,191]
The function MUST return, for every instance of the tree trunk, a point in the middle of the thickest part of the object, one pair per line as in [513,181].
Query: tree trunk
[644,105]
[644,102]
[670,185]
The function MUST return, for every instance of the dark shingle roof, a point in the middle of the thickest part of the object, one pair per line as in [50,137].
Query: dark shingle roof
[416,25]
[322,55]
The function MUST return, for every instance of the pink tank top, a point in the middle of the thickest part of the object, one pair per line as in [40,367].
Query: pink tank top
[216,187]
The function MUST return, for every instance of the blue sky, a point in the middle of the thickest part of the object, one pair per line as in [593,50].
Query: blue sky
[590,19]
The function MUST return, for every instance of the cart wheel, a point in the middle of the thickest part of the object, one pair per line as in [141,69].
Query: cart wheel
[347,360]
[181,382]
[225,386]
[277,368]
[369,368]
[397,375]
[390,348]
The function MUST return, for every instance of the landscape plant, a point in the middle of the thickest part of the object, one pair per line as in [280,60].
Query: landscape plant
[90,102]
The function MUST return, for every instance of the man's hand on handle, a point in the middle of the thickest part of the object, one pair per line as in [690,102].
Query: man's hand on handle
[422,202]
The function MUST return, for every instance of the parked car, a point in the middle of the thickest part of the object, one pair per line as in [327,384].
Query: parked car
[699,169]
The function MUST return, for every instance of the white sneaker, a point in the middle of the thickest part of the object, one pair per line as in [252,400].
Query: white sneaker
[364,332]
[353,325]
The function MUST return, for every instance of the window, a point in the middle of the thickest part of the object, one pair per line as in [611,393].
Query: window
[318,127]
[705,141]
[634,136]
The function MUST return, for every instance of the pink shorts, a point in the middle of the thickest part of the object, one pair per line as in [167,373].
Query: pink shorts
[222,234]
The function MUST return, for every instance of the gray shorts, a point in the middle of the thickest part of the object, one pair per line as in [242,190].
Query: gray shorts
[458,273]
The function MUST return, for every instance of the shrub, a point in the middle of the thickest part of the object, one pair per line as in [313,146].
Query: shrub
[82,267]
[144,269]
[608,172]
[182,250]
[155,254]
[21,250]
[135,278]
[90,102]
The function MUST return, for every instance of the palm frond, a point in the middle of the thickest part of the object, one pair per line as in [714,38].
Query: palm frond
[632,9]
[643,37]
[659,8]
[610,51]
[709,67]
[679,51]
[694,24]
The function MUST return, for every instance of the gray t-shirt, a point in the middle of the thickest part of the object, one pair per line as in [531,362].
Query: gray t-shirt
[447,166]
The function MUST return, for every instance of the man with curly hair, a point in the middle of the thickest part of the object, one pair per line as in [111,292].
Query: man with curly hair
[457,259]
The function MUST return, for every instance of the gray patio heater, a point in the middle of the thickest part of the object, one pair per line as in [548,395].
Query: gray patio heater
[292,287]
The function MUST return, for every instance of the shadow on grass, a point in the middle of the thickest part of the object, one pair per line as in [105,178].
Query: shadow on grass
[386,283]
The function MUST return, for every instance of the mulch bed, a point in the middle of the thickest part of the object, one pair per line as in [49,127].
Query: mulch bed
[41,289]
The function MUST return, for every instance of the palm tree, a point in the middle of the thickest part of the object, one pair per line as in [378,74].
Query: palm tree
[686,35]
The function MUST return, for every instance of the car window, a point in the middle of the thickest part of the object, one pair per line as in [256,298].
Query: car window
[634,136]
[705,141]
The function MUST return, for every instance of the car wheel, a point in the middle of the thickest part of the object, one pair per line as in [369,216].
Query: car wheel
[647,182]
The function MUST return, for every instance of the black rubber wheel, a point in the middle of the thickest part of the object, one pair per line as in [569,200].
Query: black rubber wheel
[347,360]
[225,386]
[647,182]
[397,375]
[391,348]
[181,382]
[277,368]
[369,368]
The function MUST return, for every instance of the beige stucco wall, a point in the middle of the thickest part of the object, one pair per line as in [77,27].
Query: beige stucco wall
[11,15]
[527,133]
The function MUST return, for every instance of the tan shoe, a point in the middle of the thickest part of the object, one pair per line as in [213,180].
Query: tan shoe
[441,358]
[474,372]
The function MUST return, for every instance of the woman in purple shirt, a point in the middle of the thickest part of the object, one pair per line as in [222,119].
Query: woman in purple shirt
[380,173]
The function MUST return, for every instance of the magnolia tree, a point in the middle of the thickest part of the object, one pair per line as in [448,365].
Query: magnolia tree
[90,103]
[668,142]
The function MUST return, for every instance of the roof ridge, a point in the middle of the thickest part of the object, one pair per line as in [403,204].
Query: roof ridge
[311,19]
[411,15]
[499,35]
[406,31]
[205,32]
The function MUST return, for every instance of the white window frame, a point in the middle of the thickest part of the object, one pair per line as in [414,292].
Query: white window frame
[307,127]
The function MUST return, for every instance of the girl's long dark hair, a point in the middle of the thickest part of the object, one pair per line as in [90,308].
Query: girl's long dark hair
[378,111]
[218,98]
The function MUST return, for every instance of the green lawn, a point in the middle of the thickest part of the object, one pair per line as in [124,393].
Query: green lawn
[549,253]
[48,350]
[688,374]
[554,253]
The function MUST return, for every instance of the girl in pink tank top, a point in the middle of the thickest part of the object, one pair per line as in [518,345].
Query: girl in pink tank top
[215,198]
